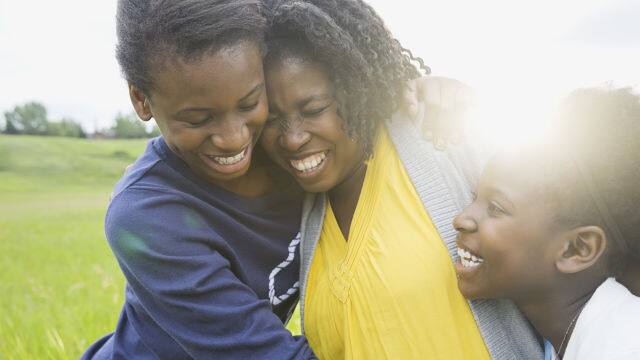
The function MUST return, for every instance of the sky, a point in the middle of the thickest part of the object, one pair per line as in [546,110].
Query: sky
[524,53]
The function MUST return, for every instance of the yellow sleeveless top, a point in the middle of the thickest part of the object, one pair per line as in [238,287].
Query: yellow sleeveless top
[389,292]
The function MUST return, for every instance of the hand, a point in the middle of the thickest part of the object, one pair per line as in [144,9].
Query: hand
[440,106]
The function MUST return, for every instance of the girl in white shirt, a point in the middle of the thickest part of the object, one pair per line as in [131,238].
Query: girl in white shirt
[552,224]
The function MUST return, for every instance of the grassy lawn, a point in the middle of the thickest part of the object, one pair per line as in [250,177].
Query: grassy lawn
[60,287]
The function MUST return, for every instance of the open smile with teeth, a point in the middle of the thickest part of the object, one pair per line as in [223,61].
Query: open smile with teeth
[229,160]
[309,163]
[468,259]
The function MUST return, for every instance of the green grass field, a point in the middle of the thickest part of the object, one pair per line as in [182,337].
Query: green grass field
[60,287]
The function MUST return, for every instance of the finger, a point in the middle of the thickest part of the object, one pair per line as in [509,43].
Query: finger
[427,116]
[440,144]
[456,138]
[428,135]
[447,128]
[443,128]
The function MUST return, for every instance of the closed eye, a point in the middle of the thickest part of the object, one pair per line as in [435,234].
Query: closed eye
[316,111]
[200,122]
[493,208]
[250,107]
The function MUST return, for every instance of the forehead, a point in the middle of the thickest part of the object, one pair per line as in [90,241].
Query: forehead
[294,76]
[520,173]
[221,76]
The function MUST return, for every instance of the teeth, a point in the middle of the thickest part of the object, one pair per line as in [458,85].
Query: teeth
[468,259]
[309,163]
[231,159]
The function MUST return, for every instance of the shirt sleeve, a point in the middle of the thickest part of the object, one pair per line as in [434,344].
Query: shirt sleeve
[179,269]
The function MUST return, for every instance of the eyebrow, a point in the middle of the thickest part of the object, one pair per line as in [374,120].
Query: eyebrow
[253,91]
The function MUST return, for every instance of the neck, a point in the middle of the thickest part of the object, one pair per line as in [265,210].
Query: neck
[554,317]
[344,198]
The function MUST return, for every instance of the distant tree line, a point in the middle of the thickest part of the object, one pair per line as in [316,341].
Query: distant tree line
[31,119]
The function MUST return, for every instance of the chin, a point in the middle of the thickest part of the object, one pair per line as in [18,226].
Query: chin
[315,186]
[224,178]
[471,292]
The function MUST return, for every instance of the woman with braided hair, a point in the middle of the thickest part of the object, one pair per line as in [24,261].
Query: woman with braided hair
[377,278]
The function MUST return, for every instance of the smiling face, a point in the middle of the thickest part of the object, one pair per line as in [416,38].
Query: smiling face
[210,110]
[507,239]
[304,134]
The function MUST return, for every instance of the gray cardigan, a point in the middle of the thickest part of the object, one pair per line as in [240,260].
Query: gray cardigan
[443,180]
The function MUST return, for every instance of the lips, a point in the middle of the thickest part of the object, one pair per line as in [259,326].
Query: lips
[469,259]
[229,160]
[308,165]
[467,268]
[228,164]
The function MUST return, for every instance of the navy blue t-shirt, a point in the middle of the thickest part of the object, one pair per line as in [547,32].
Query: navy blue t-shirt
[210,274]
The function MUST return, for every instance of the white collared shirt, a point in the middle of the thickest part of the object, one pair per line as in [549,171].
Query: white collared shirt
[608,327]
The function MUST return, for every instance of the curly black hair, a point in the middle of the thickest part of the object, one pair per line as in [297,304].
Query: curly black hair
[151,33]
[368,67]
[599,134]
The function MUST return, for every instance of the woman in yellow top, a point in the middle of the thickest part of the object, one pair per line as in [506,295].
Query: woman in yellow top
[381,283]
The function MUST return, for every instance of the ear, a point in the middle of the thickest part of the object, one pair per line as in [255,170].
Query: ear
[582,248]
[140,103]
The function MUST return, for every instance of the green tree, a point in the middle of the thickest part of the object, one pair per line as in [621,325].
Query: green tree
[10,128]
[30,118]
[128,127]
[66,127]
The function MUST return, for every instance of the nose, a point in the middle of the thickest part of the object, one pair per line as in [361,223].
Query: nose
[230,135]
[293,136]
[465,222]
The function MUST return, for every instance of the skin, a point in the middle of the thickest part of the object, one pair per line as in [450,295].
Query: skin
[216,106]
[213,107]
[304,121]
[548,270]
[515,238]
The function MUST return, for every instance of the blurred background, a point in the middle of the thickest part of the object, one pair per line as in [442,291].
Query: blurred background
[68,131]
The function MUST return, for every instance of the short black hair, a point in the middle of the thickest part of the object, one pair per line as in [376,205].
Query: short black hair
[151,33]
[368,67]
[600,135]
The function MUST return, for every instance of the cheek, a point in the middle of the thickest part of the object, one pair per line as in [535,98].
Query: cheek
[187,139]
[331,128]
[259,114]
[514,258]
[502,246]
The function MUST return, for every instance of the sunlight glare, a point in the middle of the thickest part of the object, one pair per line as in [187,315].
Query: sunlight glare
[505,120]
